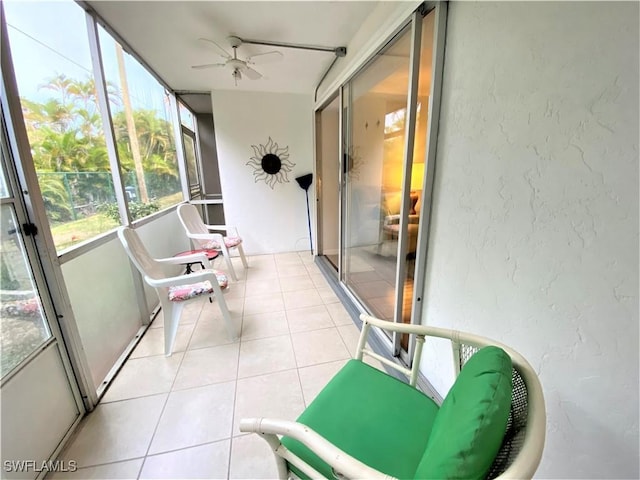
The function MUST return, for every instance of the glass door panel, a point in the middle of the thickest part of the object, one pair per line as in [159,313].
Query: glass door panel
[31,353]
[52,64]
[385,154]
[23,328]
[328,142]
[374,177]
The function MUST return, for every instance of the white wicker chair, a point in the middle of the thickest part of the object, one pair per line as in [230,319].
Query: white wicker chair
[522,445]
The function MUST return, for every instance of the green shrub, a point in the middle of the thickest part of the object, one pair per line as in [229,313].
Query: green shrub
[7,281]
[137,210]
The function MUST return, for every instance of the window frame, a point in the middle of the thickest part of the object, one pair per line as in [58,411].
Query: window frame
[187,190]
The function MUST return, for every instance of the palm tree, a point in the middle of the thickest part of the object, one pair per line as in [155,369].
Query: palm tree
[56,198]
[66,135]
[157,149]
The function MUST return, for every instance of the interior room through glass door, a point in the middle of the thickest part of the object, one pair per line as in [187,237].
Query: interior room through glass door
[374,169]
[385,175]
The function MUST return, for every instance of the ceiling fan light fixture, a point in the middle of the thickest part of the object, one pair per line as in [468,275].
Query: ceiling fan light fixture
[236,76]
[237,65]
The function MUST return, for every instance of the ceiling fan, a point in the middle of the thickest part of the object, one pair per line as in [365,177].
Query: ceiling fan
[237,66]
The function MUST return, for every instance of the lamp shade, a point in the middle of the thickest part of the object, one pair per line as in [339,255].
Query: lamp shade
[305,181]
[417,176]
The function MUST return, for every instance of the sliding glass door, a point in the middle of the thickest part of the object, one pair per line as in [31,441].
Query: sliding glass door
[386,127]
[374,174]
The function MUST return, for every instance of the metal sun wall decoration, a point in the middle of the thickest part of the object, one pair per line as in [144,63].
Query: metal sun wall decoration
[355,162]
[270,163]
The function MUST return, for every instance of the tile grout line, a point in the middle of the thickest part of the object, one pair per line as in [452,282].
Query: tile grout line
[304,398]
[171,391]
[242,319]
[295,358]
[155,430]
[115,462]
[235,392]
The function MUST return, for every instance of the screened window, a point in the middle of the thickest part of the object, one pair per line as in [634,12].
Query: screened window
[191,158]
[50,51]
[142,121]
[186,118]
[189,143]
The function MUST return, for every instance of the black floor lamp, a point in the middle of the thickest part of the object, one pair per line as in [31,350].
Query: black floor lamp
[305,181]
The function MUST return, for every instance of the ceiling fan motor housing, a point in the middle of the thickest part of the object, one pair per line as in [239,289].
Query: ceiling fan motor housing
[235,63]
[234,41]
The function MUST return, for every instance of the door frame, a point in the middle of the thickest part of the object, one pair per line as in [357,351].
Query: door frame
[55,345]
[318,165]
[41,248]
[426,212]
[343,90]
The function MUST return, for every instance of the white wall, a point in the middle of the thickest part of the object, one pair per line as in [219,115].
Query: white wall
[269,220]
[534,237]
[102,296]
[102,292]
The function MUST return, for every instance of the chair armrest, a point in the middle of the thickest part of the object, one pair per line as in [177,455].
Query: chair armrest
[340,461]
[395,219]
[195,277]
[206,236]
[226,228]
[428,331]
[193,258]
[391,219]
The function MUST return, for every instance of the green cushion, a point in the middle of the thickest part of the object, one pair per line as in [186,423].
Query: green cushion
[471,423]
[373,417]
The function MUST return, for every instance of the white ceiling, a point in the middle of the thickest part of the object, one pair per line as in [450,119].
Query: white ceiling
[165,34]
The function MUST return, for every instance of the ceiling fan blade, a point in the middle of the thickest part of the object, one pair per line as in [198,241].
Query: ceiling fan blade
[221,51]
[267,57]
[207,65]
[251,73]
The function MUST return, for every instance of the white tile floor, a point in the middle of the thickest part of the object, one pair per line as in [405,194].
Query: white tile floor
[177,417]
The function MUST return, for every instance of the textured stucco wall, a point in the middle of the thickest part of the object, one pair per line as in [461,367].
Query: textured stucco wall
[534,238]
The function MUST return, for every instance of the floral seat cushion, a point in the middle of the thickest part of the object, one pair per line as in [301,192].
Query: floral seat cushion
[229,242]
[20,308]
[181,293]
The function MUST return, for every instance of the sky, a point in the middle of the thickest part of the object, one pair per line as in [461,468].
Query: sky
[50,37]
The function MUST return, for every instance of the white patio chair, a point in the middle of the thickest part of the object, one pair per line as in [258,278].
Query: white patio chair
[174,292]
[368,424]
[209,236]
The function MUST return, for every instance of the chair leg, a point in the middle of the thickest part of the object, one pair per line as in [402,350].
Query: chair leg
[226,315]
[171,313]
[227,259]
[281,463]
[242,257]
